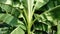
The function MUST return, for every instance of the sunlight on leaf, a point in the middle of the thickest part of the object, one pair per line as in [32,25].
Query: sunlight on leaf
[18,30]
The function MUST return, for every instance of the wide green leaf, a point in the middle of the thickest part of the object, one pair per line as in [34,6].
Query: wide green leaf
[14,3]
[40,3]
[18,30]
[6,2]
[7,18]
[9,9]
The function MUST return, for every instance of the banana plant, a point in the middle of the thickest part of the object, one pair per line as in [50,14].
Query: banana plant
[25,9]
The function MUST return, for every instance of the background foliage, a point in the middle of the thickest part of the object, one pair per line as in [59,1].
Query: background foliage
[46,16]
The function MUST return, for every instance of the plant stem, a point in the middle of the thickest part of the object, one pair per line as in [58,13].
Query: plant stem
[29,28]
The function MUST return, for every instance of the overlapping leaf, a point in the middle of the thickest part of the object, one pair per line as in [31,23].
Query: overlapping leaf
[13,21]
[51,16]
